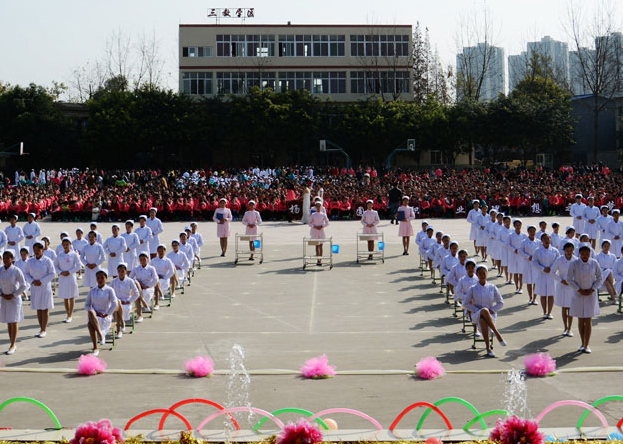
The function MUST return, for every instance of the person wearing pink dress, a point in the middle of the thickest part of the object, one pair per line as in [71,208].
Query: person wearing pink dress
[369,220]
[222,217]
[406,229]
[251,220]
[318,221]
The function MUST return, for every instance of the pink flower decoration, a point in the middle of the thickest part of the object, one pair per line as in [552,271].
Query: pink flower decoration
[199,367]
[318,368]
[90,365]
[429,368]
[517,431]
[539,364]
[101,432]
[302,432]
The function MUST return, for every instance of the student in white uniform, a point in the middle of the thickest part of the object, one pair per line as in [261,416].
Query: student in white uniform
[198,238]
[556,238]
[147,279]
[12,285]
[603,220]
[458,271]
[529,274]
[496,250]
[614,232]
[193,243]
[426,249]
[433,252]
[543,260]
[503,234]
[39,274]
[47,251]
[472,218]
[156,227]
[14,235]
[607,261]
[481,236]
[78,245]
[419,238]
[251,220]
[127,293]
[569,237]
[617,274]
[441,253]
[100,305]
[448,263]
[59,247]
[93,255]
[222,216]
[542,230]
[590,216]
[577,212]
[180,261]
[132,242]
[144,235]
[98,236]
[490,236]
[187,248]
[166,272]
[484,301]
[318,221]
[564,292]
[31,231]
[114,247]
[20,263]
[67,264]
[515,264]
[404,216]
[3,241]
[584,276]
[467,281]
[585,240]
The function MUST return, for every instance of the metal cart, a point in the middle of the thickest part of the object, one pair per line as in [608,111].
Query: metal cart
[244,251]
[377,253]
[310,258]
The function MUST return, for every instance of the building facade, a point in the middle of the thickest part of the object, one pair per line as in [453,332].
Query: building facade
[471,63]
[517,68]
[345,63]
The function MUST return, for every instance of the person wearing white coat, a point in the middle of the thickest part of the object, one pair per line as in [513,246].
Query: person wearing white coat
[127,293]
[78,245]
[147,279]
[481,236]
[14,236]
[515,264]
[165,269]
[98,236]
[31,231]
[603,220]
[198,237]
[458,270]
[472,218]
[614,232]
[556,238]
[577,212]
[448,263]
[251,220]
[193,243]
[526,251]
[12,286]
[144,235]
[617,274]
[3,241]
[39,274]
[132,242]
[180,261]
[156,228]
[114,247]
[67,264]
[584,276]
[607,261]
[543,260]
[502,238]
[419,238]
[426,248]
[93,255]
[590,216]
[100,304]
[21,264]
[484,301]
[466,281]
[564,292]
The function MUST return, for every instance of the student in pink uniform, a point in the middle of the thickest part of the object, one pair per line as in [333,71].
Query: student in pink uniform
[222,217]
[405,230]
[369,220]
[318,221]
[251,220]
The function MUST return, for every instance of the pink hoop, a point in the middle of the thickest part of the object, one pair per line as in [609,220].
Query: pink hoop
[269,415]
[350,412]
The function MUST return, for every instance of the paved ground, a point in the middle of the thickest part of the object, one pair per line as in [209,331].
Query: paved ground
[364,317]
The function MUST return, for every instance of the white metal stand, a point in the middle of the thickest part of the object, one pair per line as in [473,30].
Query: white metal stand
[376,254]
[243,250]
[310,258]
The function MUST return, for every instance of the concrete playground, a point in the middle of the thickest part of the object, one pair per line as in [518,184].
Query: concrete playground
[375,320]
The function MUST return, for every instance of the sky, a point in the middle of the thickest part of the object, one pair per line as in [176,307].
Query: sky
[45,40]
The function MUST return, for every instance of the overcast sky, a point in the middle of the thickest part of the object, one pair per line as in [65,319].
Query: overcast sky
[44,40]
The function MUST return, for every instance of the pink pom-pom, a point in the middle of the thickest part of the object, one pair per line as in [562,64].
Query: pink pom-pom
[90,365]
[303,432]
[101,432]
[539,364]
[429,368]
[516,430]
[199,367]
[318,368]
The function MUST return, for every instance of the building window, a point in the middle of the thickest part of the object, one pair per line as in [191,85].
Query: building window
[435,157]
[402,45]
[303,80]
[376,82]
[303,45]
[197,83]
[287,81]
[375,45]
[223,46]
[261,80]
[253,45]
[230,82]
[321,45]
[357,82]
[372,45]
[337,45]
[286,46]
[197,51]
[357,48]
[238,48]
[403,82]
[267,46]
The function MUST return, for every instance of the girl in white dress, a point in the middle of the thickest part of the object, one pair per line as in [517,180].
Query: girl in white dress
[426,248]
[484,301]
[369,220]
[614,232]
[199,238]
[92,257]
[513,244]
[78,245]
[39,274]
[251,220]
[100,304]
[67,264]
[466,282]
[555,237]
[222,217]
[527,249]
[607,261]
[146,277]
[584,276]
[419,238]
[132,242]
[318,221]
[14,235]
[114,247]
[20,263]
[564,292]
[481,236]
[503,234]
[543,260]
[405,215]
[458,271]
[472,218]
[12,285]
[127,293]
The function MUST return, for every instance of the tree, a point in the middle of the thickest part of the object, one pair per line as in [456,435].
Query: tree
[429,75]
[598,57]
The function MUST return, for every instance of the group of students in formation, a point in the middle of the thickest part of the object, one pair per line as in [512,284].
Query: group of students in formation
[138,266]
[563,270]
